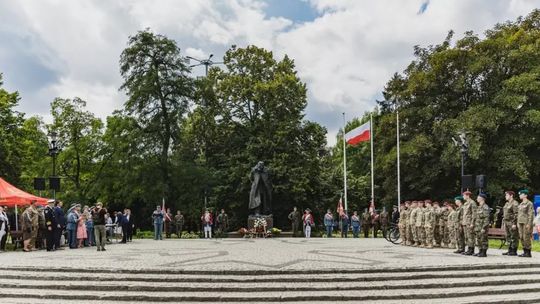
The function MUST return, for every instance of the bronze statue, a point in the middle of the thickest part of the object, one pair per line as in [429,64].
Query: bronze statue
[260,196]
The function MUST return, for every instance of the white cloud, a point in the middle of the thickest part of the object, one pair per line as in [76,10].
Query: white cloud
[345,56]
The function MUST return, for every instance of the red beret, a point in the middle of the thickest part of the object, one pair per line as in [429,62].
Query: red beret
[467,192]
[510,192]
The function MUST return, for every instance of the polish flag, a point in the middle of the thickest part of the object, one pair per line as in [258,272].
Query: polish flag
[359,134]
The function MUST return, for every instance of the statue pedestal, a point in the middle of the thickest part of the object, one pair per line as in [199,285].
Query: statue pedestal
[269,221]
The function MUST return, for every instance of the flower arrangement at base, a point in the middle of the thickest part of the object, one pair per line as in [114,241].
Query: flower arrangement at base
[260,224]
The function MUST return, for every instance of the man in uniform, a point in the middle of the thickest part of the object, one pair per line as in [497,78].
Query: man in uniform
[222,222]
[469,211]
[525,222]
[450,229]
[510,213]
[436,228]
[294,217]
[384,219]
[459,232]
[366,222]
[403,224]
[443,226]
[481,225]
[412,224]
[420,233]
[429,224]
[179,223]
[51,225]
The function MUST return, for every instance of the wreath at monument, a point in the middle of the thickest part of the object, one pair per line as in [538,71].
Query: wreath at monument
[260,224]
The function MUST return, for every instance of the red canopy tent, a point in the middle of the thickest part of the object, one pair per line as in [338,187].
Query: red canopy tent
[11,196]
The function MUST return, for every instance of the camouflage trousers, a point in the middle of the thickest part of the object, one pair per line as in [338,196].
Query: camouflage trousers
[512,235]
[525,235]
[470,236]
[402,229]
[481,239]
[410,234]
[420,235]
[444,233]
[437,235]
[428,235]
[460,237]
[451,237]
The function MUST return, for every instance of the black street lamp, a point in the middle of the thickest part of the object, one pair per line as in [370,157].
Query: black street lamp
[54,150]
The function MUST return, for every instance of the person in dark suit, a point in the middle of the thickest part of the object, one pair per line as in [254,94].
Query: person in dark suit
[121,219]
[129,225]
[60,223]
[50,224]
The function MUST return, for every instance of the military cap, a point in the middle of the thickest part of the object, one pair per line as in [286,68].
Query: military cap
[467,192]
[510,192]
[524,191]
[51,201]
[482,195]
[308,210]
[458,198]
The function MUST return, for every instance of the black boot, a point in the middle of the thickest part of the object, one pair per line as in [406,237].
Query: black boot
[471,251]
[512,251]
[526,253]
[482,253]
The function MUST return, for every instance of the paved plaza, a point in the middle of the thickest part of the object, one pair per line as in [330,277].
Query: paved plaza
[279,254]
[290,270]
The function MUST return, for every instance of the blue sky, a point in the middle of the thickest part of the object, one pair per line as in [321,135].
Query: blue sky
[345,51]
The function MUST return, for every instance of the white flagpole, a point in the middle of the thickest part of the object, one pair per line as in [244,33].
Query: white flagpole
[399,176]
[344,165]
[371,133]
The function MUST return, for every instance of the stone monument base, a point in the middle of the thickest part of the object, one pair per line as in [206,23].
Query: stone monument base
[269,221]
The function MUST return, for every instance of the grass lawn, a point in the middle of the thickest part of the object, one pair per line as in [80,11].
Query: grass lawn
[496,243]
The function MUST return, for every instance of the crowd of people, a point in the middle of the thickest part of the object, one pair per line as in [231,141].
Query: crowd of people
[51,228]
[464,224]
[371,222]
[165,222]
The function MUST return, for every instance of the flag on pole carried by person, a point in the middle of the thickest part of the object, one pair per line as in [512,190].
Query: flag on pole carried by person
[339,209]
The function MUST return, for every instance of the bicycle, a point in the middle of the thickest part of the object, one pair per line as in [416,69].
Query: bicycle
[393,235]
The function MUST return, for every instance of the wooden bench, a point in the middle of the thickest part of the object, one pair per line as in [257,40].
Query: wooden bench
[497,234]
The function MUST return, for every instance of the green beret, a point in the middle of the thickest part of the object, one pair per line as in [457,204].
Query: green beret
[458,198]
[524,191]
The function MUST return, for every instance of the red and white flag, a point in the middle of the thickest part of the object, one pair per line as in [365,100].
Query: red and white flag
[359,134]
[340,207]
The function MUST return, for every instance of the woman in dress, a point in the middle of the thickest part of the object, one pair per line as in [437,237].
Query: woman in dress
[81,230]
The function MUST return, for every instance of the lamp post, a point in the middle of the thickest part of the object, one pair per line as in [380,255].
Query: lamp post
[464,148]
[207,63]
[54,150]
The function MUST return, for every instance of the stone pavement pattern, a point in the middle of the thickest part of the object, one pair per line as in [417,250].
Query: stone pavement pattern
[266,270]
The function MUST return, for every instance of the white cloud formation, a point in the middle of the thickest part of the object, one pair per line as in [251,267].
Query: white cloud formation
[346,55]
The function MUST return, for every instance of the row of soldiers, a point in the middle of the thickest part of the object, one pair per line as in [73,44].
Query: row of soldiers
[426,224]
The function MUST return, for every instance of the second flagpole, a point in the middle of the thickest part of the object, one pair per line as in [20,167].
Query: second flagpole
[344,165]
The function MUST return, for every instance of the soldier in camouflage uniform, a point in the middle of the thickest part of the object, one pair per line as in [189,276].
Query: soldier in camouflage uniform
[510,213]
[403,219]
[443,226]
[450,229]
[429,224]
[459,232]
[412,224]
[419,224]
[436,228]
[525,222]
[481,225]
[469,211]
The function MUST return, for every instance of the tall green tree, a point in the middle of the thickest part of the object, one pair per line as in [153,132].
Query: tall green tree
[157,82]
[83,157]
